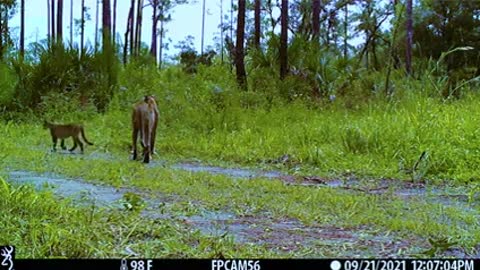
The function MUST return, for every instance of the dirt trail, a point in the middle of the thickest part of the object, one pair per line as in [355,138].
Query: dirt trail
[283,235]
[448,196]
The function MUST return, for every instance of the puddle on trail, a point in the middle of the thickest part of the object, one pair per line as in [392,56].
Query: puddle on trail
[448,196]
[454,196]
[398,188]
[208,222]
[233,172]
[186,166]
[280,235]
[103,195]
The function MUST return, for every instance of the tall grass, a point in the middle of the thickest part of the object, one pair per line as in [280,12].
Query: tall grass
[206,116]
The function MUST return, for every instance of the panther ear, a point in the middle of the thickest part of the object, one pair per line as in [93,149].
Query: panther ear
[146,98]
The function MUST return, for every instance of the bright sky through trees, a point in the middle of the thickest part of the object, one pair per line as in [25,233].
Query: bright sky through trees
[186,20]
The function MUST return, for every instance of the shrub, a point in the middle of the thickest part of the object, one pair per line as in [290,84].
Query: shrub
[59,70]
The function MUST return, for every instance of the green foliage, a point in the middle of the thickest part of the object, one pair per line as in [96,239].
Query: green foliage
[443,25]
[8,82]
[205,116]
[133,202]
[439,245]
[354,140]
[65,107]
[418,170]
[449,83]
[61,73]
[313,71]
[441,28]
[8,8]
[190,60]
[144,59]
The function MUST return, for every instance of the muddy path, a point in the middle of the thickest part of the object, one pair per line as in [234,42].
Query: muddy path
[450,196]
[281,235]
[454,196]
[447,195]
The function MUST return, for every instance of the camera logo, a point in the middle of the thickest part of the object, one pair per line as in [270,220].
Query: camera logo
[7,255]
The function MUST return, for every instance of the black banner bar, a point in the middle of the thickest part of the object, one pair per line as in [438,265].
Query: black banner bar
[245,264]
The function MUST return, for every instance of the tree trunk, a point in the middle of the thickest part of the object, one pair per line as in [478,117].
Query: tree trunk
[334,30]
[160,47]
[221,31]
[71,23]
[131,23]
[60,21]
[284,40]
[114,23]
[138,34]
[239,53]
[3,31]
[273,22]
[345,32]
[6,32]
[96,26]
[106,26]
[388,91]
[48,23]
[1,35]
[316,19]
[367,48]
[82,29]
[52,14]
[374,54]
[22,29]
[408,56]
[155,17]
[231,19]
[257,24]
[125,44]
[203,27]
[128,33]
[107,49]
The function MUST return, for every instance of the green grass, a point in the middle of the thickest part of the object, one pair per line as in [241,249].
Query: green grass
[380,140]
[258,198]
[42,226]
[374,139]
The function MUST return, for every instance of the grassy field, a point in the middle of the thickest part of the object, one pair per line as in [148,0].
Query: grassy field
[210,122]
[206,118]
